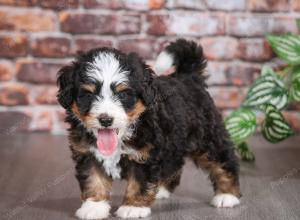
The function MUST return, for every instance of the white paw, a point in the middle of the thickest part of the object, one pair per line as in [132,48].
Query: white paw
[225,200]
[93,210]
[162,193]
[133,212]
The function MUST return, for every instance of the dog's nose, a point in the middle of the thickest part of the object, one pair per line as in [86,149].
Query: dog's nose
[105,120]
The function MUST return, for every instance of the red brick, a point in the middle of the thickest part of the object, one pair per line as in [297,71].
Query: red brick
[296,5]
[6,71]
[228,5]
[232,73]
[136,4]
[53,4]
[220,48]
[227,97]
[59,4]
[294,119]
[260,25]
[294,106]
[143,4]
[129,4]
[157,24]
[189,4]
[161,44]
[13,45]
[37,72]
[111,4]
[242,74]
[61,115]
[269,5]
[247,26]
[283,24]
[18,2]
[45,94]
[13,121]
[156,4]
[183,23]
[80,23]
[27,20]
[255,50]
[217,73]
[51,47]
[42,120]
[87,43]
[14,94]
[144,47]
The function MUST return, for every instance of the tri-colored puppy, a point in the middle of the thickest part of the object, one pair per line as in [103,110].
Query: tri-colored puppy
[125,122]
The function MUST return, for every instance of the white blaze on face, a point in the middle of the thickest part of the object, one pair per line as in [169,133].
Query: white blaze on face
[106,69]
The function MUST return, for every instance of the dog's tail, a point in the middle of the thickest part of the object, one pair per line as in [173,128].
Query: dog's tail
[181,57]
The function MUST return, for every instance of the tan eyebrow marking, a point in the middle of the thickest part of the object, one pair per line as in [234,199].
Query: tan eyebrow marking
[121,87]
[89,87]
[138,109]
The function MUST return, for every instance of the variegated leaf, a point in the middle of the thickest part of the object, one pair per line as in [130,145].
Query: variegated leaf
[275,127]
[295,86]
[267,70]
[287,47]
[241,124]
[267,89]
[298,23]
[244,151]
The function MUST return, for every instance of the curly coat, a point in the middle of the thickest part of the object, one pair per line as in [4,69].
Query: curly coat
[178,120]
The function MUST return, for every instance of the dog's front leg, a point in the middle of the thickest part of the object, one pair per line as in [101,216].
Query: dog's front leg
[138,199]
[95,191]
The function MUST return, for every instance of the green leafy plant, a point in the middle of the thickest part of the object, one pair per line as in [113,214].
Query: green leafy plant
[269,94]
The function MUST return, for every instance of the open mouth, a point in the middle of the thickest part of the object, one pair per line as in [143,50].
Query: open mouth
[107,141]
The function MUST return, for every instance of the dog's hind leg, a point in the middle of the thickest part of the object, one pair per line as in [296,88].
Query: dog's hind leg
[224,177]
[168,185]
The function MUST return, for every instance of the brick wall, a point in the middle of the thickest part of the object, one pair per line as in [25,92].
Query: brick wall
[38,37]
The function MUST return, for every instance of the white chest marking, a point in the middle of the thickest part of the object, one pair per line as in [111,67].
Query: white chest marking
[110,164]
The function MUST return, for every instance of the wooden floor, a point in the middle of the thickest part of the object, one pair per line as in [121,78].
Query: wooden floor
[37,182]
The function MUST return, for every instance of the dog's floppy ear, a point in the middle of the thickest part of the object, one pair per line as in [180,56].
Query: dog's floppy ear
[142,77]
[65,83]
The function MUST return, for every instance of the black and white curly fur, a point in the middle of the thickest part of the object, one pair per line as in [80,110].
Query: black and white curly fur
[159,121]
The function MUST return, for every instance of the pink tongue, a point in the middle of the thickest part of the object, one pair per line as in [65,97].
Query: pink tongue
[107,141]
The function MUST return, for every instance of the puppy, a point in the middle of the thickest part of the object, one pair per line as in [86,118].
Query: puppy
[127,123]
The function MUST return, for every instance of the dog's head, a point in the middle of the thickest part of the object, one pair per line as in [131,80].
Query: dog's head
[107,91]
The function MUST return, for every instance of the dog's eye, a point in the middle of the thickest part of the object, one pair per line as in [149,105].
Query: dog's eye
[127,98]
[123,95]
[84,93]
